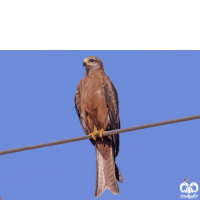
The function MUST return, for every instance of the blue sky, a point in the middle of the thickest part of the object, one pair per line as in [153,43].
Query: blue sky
[37,91]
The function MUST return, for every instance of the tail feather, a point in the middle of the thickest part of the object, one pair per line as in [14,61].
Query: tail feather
[106,174]
[109,173]
[118,174]
[100,185]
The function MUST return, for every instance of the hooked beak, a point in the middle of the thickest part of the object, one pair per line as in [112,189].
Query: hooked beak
[84,63]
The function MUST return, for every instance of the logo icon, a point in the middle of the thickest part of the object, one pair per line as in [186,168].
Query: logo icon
[190,189]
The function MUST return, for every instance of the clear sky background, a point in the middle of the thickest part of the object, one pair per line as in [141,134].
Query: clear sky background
[37,91]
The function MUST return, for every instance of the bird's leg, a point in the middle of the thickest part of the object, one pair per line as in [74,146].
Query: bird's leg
[101,132]
[95,128]
[93,134]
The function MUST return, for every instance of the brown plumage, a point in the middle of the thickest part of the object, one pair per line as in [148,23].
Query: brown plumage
[96,103]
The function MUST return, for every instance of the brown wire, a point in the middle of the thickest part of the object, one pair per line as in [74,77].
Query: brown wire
[106,133]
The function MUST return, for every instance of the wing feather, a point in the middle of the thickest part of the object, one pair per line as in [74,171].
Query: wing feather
[77,100]
[112,101]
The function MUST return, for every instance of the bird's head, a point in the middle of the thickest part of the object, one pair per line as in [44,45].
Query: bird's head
[92,63]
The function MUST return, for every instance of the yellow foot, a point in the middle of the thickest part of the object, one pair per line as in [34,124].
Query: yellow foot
[94,134]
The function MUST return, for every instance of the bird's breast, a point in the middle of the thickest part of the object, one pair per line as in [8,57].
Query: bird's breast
[93,98]
[93,94]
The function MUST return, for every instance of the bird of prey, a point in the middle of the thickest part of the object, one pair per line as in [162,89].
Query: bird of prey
[96,104]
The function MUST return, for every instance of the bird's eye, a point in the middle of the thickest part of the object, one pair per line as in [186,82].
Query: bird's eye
[91,60]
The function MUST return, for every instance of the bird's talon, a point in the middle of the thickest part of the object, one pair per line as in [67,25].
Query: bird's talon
[101,132]
[93,134]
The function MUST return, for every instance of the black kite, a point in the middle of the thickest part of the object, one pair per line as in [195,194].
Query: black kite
[96,103]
